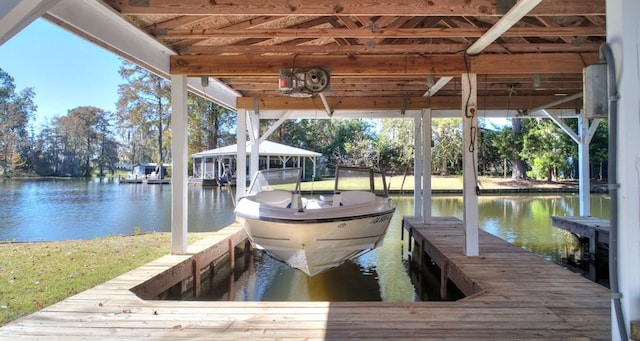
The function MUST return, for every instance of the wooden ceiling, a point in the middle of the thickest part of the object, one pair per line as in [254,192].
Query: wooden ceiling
[392,51]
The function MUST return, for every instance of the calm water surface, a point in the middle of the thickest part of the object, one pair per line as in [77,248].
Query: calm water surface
[79,209]
[46,210]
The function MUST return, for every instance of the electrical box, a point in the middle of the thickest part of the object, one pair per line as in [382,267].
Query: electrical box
[596,99]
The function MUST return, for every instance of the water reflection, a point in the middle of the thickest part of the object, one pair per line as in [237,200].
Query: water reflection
[271,280]
[525,219]
[62,209]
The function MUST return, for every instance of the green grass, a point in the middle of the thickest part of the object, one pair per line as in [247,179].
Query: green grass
[393,182]
[36,275]
[454,182]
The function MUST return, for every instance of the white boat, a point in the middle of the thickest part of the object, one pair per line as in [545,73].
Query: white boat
[316,234]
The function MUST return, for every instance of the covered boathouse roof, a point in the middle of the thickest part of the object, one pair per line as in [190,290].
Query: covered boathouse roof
[265,148]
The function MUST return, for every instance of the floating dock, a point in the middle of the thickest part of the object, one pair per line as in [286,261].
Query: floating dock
[512,294]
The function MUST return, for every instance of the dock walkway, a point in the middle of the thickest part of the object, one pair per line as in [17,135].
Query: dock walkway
[517,296]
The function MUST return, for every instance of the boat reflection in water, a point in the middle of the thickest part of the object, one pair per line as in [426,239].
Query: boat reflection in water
[262,278]
[267,279]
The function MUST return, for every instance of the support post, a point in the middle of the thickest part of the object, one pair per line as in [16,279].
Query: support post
[254,134]
[417,164]
[469,164]
[426,166]
[624,39]
[241,154]
[179,177]
[584,182]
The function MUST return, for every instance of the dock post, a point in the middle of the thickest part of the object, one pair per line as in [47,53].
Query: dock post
[196,277]
[421,252]
[232,255]
[444,278]
[593,242]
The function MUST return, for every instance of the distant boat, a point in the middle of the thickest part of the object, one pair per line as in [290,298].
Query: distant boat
[310,234]
[147,173]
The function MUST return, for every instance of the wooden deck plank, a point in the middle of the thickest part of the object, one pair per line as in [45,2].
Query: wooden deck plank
[538,301]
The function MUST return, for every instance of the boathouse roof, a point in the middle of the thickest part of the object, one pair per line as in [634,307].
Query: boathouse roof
[266,148]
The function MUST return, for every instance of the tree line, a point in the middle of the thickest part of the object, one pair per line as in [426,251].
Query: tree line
[89,140]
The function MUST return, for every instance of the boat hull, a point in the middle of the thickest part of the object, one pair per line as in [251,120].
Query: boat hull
[316,240]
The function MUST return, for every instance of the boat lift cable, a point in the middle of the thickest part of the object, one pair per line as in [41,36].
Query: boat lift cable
[606,57]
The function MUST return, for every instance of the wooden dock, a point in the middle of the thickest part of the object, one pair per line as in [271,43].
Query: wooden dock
[596,230]
[515,296]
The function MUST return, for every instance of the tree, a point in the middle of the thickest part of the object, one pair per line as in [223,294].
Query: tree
[107,151]
[508,144]
[447,149]
[395,144]
[143,113]
[489,158]
[210,125]
[16,110]
[81,140]
[546,148]
[359,152]
[519,166]
[329,137]
[342,133]
[599,149]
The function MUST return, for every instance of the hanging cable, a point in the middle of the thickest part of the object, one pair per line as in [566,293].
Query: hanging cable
[466,104]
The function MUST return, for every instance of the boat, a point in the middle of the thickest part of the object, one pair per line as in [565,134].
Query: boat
[316,234]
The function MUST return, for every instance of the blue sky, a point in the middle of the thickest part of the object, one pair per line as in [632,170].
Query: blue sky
[64,70]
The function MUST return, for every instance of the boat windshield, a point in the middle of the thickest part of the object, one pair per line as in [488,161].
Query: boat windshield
[287,179]
[356,178]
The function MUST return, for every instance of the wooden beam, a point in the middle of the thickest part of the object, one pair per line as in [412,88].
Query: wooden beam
[318,33]
[372,65]
[517,12]
[395,103]
[221,66]
[344,8]
[539,63]
[215,49]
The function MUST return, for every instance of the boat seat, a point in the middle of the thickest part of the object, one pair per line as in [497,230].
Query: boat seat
[277,197]
[356,197]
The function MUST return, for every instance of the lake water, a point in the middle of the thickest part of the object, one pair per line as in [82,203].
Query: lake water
[43,210]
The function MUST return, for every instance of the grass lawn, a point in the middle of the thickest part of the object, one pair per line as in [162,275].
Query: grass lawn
[36,275]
